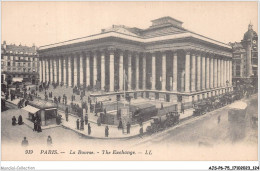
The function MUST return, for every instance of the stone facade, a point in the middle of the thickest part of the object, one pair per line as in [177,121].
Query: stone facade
[19,62]
[165,61]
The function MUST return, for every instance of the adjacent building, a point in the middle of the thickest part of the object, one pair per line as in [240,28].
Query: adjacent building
[165,62]
[245,57]
[19,63]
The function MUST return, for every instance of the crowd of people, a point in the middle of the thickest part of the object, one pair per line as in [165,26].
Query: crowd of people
[75,108]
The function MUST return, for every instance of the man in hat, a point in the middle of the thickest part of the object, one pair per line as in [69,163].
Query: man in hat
[106,131]
[67,114]
[77,122]
[89,129]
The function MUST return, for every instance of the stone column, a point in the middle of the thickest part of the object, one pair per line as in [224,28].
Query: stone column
[215,72]
[47,70]
[225,72]
[75,70]
[103,71]
[81,69]
[65,70]
[43,70]
[175,71]
[54,70]
[203,73]
[121,71]
[187,72]
[40,69]
[193,73]
[51,70]
[218,73]
[87,69]
[208,65]
[211,72]
[164,71]
[137,71]
[60,70]
[111,71]
[94,68]
[221,73]
[144,72]
[69,72]
[129,71]
[198,72]
[153,71]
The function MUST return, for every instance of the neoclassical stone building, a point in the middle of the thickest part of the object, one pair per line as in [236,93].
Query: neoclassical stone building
[164,61]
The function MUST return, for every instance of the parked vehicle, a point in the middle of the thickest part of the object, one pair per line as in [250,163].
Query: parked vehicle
[160,123]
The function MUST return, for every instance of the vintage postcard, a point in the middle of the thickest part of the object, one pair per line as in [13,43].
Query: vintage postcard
[129,81]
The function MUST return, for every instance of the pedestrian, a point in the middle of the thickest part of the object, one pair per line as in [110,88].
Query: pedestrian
[34,125]
[86,119]
[77,122]
[25,142]
[128,127]
[120,125]
[89,129]
[49,141]
[219,117]
[106,131]
[182,108]
[141,131]
[39,128]
[81,124]
[141,120]
[67,114]
[14,121]
[20,120]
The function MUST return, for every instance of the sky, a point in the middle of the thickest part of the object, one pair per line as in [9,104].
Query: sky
[43,23]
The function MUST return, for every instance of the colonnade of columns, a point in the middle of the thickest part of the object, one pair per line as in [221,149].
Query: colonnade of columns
[203,71]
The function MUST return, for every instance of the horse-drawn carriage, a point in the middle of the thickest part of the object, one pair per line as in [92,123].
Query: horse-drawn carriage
[160,123]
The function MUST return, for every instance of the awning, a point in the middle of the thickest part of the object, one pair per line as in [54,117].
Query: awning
[31,109]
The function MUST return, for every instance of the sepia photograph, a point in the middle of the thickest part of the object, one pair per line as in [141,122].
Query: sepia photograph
[129,81]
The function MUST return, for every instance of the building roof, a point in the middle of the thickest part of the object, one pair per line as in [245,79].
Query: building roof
[164,28]
[237,47]
[18,48]
[42,104]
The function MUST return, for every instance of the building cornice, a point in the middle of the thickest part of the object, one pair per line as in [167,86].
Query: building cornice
[136,39]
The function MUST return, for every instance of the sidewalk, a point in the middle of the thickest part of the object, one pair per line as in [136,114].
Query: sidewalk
[114,133]
[98,131]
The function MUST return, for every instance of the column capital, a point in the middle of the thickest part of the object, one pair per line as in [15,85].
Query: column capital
[188,51]
[209,53]
[196,51]
[111,50]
